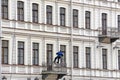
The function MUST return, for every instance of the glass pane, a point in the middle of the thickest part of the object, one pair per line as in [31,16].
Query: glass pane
[6,59]
[20,44]
[4,43]
[21,60]
[4,2]
[75,12]
[118,52]
[20,4]
[49,8]
[5,51]
[62,10]
[35,6]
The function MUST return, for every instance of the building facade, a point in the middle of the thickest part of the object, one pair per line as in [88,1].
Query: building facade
[87,31]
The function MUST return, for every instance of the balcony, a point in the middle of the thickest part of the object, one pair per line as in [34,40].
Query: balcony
[53,71]
[108,35]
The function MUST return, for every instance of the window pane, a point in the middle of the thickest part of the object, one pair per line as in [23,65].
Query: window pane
[118,23]
[119,59]
[20,52]
[75,18]
[35,53]
[87,19]
[5,51]
[5,9]
[49,56]
[62,16]
[20,10]
[63,49]
[104,56]
[49,14]
[35,12]
[75,56]
[104,23]
[88,57]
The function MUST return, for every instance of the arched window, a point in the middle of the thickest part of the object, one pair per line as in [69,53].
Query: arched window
[20,10]
[5,9]
[35,12]
[49,14]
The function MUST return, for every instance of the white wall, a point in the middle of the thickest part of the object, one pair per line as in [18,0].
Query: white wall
[42,33]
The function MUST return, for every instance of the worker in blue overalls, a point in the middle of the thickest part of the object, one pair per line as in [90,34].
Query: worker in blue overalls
[59,56]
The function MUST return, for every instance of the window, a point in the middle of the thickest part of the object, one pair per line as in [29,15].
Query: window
[35,12]
[20,52]
[20,10]
[87,19]
[49,56]
[104,23]
[5,51]
[119,59]
[118,23]
[104,58]
[4,9]
[62,16]
[49,14]
[88,57]
[36,78]
[75,18]
[75,56]
[35,53]
[63,49]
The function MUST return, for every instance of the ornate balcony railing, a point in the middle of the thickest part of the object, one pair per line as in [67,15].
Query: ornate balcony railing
[55,69]
[108,35]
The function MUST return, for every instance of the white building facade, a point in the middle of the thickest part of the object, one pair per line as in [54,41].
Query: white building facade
[34,30]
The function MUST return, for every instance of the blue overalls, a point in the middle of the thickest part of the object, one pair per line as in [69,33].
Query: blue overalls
[59,55]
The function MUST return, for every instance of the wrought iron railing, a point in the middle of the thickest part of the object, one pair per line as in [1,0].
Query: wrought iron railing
[109,31]
[55,67]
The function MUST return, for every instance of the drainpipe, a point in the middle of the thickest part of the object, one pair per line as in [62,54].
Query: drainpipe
[71,47]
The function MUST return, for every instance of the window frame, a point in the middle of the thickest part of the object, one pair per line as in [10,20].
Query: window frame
[75,18]
[21,62]
[75,56]
[87,19]
[49,56]
[35,10]
[5,48]
[34,57]
[119,59]
[63,49]
[62,16]
[20,10]
[118,17]
[88,57]
[104,58]
[49,12]
[104,23]
[4,9]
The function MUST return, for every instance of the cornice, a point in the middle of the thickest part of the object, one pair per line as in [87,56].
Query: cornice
[50,35]
[83,4]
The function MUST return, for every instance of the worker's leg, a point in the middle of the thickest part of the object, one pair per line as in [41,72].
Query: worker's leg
[58,59]
[55,59]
